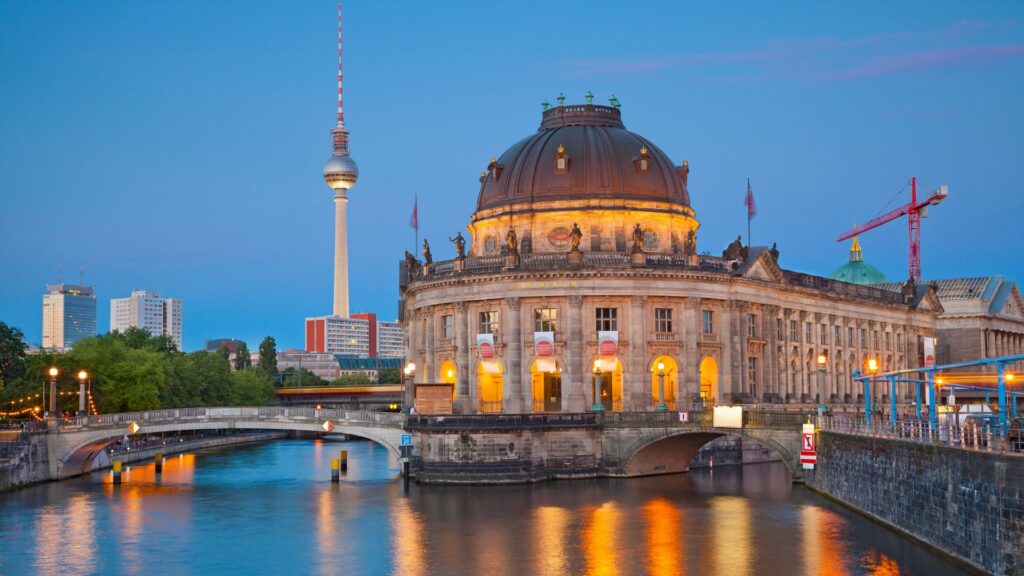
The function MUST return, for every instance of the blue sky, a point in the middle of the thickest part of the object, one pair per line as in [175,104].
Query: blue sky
[177,146]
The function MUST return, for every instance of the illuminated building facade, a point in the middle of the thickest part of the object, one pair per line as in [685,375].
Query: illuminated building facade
[583,286]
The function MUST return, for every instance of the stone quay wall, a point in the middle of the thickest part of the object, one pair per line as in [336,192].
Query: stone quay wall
[28,464]
[969,505]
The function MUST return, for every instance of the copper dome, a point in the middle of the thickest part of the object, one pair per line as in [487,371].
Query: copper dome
[601,160]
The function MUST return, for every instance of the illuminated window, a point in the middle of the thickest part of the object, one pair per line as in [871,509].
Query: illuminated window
[607,319]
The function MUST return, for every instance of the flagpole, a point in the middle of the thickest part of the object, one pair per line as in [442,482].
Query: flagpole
[416,208]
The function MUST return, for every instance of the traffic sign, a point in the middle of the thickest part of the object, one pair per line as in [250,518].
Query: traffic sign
[405,451]
[808,443]
[328,426]
[406,439]
[134,427]
[684,417]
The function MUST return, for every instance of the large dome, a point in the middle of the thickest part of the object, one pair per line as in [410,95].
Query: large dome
[601,160]
[857,271]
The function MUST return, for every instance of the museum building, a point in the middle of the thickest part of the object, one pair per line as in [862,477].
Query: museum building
[583,287]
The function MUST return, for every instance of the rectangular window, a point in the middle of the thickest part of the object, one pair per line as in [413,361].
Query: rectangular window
[751,326]
[837,334]
[849,336]
[822,334]
[899,342]
[793,335]
[778,329]
[874,339]
[545,320]
[488,322]
[607,319]
[708,317]
[752,371]
[663,320]
[447,326]
[863,338]
[888,340]
[808,333]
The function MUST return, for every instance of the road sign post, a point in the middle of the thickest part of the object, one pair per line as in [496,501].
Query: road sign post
[808,452]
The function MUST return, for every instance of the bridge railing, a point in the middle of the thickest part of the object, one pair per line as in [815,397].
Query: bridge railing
[502,421]
[966,436]
[702,419]
[362,417]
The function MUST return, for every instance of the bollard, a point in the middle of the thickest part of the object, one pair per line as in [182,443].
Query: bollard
[117,471]
[405,475]
[158,459]
[344,460]
[334,471]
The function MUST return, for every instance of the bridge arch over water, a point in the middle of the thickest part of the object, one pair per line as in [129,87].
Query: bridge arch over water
[668,451]
[76,445]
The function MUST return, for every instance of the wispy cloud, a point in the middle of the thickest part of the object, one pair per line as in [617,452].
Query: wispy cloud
[825,58]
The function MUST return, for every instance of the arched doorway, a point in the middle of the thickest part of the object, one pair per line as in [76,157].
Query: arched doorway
[490,386]
[708,381]
[546,381]
[607,382]
[671,373]
[446,374]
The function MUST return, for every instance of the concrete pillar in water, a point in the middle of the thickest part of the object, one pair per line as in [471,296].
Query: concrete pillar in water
[158,460]
[344,460]
[335,465]
[117,472]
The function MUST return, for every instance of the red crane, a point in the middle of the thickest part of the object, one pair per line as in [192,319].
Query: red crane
[914,211]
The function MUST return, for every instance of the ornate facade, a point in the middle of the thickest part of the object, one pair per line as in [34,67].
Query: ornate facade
[583,286]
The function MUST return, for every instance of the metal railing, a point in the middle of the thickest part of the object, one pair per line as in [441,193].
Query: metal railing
[502,421]
[386,419]
[976,437]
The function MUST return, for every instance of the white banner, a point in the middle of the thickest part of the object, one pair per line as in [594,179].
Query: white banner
[929,352]
[485,347]
[607,349]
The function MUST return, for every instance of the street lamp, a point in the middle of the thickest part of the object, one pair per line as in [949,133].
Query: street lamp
[82,376]
[597,407]
[661,407]
[53,390]
[872,366]
[822,361]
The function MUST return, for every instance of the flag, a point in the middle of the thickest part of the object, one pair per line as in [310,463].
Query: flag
[750,201]
[414,222]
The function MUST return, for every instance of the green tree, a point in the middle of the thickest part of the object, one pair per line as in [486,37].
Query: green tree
[268,357]
[224,352]
[242,359]
[290,377]
[12,354]
[389,376]
[251,388]
[358,379]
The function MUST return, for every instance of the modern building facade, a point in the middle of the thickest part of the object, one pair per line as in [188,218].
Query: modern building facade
[147,310]
[584,286]
[69,314]
[360,336]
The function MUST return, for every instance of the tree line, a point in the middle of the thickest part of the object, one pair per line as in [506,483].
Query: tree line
[134,370]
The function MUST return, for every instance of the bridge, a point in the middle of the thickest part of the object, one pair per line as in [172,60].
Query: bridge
[632,443]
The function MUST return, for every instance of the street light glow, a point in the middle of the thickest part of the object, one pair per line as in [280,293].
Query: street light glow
[1008,376]
[822,359]
[54,372]
[661,366]
[82,374]
[872,365]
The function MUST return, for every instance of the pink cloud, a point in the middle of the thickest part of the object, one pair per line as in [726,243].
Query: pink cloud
[929,60]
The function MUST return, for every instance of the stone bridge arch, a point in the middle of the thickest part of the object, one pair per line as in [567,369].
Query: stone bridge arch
[670,450]
[74,449]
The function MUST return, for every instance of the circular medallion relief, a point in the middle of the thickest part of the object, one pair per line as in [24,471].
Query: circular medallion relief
[491,245]
[650,240]
[559,237]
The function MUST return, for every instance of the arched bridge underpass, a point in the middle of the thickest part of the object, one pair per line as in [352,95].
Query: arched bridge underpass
[75,443]
[630,443]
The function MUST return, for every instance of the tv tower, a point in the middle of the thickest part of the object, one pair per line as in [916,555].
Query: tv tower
[341,174]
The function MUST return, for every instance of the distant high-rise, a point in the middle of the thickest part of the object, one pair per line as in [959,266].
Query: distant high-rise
[147,310]
[360,335]
[69,314]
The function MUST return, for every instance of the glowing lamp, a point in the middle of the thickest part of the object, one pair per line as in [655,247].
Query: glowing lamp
[872,365]
[661,366]
[54,372]
[82,374]
[1008,376]
[822,359]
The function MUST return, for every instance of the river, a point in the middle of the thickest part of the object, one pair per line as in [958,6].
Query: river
[271,509]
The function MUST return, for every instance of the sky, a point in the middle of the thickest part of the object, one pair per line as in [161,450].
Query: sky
[178,146]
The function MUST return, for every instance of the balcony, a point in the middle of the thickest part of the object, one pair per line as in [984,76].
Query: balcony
[663,336]
[490,406]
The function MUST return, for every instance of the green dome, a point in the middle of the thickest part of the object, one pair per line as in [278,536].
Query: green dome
[857,271]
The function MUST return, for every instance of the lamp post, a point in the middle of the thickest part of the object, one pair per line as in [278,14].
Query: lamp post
[53,390]
[82,376]
[661,407]
[872,369]
[410,374]
[597,407]
[822,361]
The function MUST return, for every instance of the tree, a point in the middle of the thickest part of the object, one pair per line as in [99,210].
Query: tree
[389,376]
[251,388]
[12,354]
[224,352]
[268,357]
[290,377]
[242,359]
[359,379]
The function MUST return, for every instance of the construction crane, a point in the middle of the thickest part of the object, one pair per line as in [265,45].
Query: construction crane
[914,211]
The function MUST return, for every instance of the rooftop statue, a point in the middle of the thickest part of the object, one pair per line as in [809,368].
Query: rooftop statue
[427,258]
[510,241]
[638,238]
[574,236]
[460,245]
[691,242]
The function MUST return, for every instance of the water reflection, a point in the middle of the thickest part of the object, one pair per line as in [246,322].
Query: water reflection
[731,528]
[407,540]
[664,540]
[550,526]
[599,539]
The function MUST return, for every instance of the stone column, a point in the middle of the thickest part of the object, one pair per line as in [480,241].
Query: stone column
[726,368]
[689,374]
[741,384]
[637,395]
[428,368]
[462,367]
[770,335]
[575,377]
[513,395]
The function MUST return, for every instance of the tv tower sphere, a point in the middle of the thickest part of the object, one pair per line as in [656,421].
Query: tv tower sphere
[341,172]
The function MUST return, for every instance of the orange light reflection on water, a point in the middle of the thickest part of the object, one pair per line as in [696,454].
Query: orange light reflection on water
[824,550]
[599,539]
[731,535]
[879,564]
[408,548]
[663,538]
[550,524]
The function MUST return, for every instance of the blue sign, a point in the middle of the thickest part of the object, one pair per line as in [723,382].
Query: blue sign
[406,439]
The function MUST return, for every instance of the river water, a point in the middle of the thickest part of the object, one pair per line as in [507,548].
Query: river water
[271,509]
